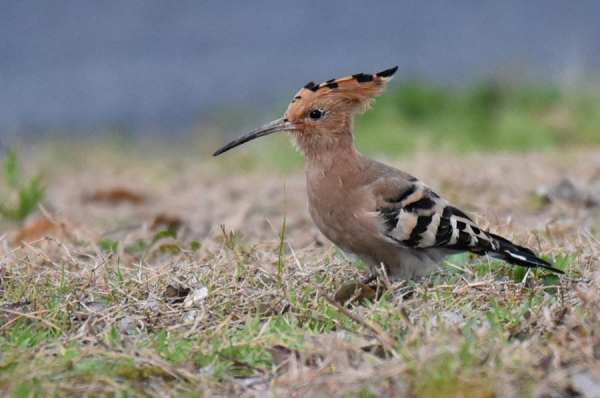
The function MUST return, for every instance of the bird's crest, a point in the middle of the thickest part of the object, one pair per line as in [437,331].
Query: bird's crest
[356,90]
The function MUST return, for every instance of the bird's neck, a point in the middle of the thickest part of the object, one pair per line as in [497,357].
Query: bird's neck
[335,164]
[321,147]
[323,152]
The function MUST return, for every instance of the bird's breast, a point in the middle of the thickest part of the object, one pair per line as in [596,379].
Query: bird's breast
[336,211]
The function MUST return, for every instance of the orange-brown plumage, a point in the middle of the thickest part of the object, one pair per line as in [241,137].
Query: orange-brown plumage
[338,99]
[365,207]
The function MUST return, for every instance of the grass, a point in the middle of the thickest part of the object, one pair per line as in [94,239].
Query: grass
[22,195]
[215,286]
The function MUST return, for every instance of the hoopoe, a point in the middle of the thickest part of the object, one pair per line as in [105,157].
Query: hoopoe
[376,212]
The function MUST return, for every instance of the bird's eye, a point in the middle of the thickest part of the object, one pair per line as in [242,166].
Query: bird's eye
[316,114]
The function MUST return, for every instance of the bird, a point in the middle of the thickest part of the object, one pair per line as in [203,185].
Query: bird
[382,215]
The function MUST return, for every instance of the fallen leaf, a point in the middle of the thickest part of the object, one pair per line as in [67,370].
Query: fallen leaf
[281,354]
[36,229]
[354,292]
[167,221]
[115,196]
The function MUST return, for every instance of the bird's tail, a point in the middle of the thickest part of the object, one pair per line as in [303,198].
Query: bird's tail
[518,255]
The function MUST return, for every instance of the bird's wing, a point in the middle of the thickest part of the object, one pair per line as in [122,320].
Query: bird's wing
[410,214]
[414,216]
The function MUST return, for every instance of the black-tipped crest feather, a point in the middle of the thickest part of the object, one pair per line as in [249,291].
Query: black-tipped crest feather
[388,72]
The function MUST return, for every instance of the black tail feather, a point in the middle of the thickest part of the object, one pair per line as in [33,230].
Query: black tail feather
[519,255]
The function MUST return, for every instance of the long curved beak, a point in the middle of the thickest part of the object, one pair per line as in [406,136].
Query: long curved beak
[281,124]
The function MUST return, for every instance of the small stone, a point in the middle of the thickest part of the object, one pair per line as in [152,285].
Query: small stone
[192,315]
[196,297]
[126,325]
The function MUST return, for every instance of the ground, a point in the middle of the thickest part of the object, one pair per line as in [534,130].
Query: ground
[180,276]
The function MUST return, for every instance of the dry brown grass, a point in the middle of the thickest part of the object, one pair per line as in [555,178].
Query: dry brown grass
[106,303]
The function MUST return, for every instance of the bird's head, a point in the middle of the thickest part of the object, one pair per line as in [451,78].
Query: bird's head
[319,116]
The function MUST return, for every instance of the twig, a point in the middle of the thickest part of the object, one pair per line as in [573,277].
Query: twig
[464,270]
[30,316]
[384,277]
[381,335]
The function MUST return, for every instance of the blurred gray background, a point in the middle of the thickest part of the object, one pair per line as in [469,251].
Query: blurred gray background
[166,66]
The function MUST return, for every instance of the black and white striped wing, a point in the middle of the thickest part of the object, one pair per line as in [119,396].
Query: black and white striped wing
[418,218]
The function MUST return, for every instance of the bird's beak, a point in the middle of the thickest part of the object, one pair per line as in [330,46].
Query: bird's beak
[281,124]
